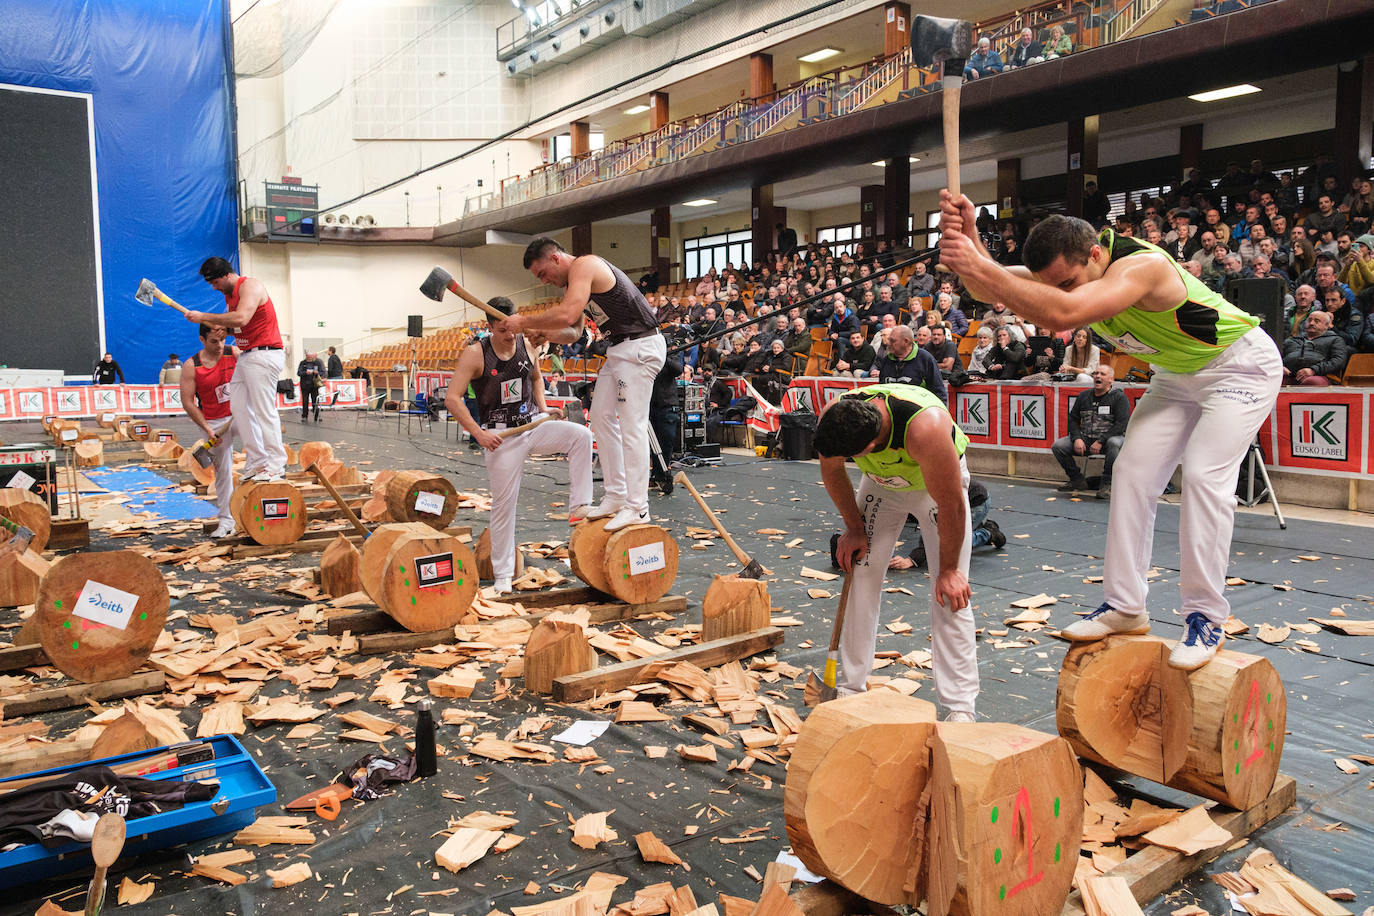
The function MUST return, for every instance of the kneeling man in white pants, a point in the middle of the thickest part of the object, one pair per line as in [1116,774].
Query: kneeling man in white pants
[505,377]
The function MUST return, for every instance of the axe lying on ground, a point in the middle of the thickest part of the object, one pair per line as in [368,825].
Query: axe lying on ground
[148,291]
[947,42]
[339,501]
[20,537]
[440,280]
[752,569]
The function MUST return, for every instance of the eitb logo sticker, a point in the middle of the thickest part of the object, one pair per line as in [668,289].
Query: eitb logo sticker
[274,510]
[434,570]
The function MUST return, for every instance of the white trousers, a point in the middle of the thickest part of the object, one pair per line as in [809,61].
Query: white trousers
[954,651]
[223,455]
[620,418]
[505,467]
[253,399]
[1205,420]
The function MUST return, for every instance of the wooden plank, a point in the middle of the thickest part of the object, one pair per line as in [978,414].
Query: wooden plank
[599,613]
[572,688]
[69,534]
[315,541]
[74,695]
[360,622]
[1154,869]
[17,657]
[44,756]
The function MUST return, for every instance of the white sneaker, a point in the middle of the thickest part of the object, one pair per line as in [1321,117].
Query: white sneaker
[270,477]
[225,529]
[1199,645]
[626,517]
[1106,621]
[577,515]
[602,509]
[502,586]
[960,716]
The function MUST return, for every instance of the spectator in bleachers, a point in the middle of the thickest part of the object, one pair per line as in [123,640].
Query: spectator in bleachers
[1183,241]
[1286,194]
[1346,320]
[906,363]
[921,282]
[1250,245]
[820,312]
[983,62]
[773,373]
[1357,271]
[1047,357]
[943,350]
[1365,302]
[1096,206]
[745,360]
[997,312]
[1326,219]
[1305,302]
[951,315]
[1026,51]
[977,360]
[1008,357]
[1212,222]
[1324,279]
[798,341]
[1207,243]
[1081,356]
[842,321]
[1359,207]
[1060,45]
[857,358]
[1309,358]
[897,291]
[598,345]
[1097,426]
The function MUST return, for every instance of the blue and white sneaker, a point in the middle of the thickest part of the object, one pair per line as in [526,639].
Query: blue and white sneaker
[1198,645]
[1106,621]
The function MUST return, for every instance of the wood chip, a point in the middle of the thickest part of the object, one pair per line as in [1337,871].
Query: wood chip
[809,573]
[590,830]
[1189,833]
[294,873]
[464,847]
[652,849]
[1272,634]
[131,892]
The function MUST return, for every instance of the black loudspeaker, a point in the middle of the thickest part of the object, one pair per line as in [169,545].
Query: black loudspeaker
[415,325]
[1262,298]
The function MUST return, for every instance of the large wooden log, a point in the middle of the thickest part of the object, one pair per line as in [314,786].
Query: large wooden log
[1006,820]
[423,578]
[26,508]
[587,553]
[271,514]
[734,605]
[315,453]
[90,451]
[421,496]
[640,563]
[1120,704]
[854,793]
[20,575]
[558,646]
[339,568]
[1234,742]
[100,614]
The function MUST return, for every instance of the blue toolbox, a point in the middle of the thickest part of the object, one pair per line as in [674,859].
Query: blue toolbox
[243,788]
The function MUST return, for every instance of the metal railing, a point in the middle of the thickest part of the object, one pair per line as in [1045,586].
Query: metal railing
[875,82]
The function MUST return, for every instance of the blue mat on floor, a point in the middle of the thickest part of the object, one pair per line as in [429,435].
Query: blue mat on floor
[161,498]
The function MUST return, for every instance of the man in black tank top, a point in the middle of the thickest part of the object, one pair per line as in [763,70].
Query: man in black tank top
[620,407]
[504,375]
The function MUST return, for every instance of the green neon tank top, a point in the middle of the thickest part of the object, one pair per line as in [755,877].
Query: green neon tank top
[1183,339]
[891,467]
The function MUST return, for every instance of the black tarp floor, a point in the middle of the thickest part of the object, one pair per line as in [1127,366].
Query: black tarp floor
[363,860]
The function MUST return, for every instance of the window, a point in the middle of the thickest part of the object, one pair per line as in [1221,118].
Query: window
[562,144]
[841,239]
[933,224]
[700,254]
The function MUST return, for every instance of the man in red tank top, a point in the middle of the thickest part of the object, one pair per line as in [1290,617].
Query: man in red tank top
[205,385]
[252,319]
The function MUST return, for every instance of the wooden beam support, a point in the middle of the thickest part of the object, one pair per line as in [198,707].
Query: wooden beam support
[17,657]
[72,696]
[574,687]
[361,622]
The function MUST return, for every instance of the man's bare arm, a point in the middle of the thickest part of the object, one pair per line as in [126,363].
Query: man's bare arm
[930,443]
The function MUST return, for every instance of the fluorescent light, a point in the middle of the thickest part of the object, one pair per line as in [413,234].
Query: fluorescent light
[638,109]
[912,159]
[1229,92]
[881,163]
[699,202]
[820,54]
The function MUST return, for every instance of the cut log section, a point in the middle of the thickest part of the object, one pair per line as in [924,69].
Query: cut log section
[484,567]
[1006,820]
[187,462]
[168,449]
[587,553]
[425,579]
[555,648]
[100,614]
[271,514]
[1120,704]
[339,568]
[26,508]
[854,793]
[421,496]
[1234,744]
[641,563]
[734,605]
[315,453]
[90,452]
[20,575]
[140,431]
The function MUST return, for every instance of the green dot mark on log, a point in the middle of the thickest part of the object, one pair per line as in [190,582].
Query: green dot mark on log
[76,645]
[994,814]
[67,624]
[57,604]
[997,856]
[1056,806]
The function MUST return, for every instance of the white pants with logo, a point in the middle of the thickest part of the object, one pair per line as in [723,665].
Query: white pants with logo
[954,651]
[253,398]
[223,455]
[506,464]
[620,418]
[1205,420]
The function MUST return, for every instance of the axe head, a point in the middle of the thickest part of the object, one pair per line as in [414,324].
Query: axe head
[435,284]
[146,290]
[19,540]
[937,41]
[752,570]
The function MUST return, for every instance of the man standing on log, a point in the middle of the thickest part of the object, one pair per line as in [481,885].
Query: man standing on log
[620,407]
[505,375]
[252,319]
[912,458]
[1217,376]
[205,386]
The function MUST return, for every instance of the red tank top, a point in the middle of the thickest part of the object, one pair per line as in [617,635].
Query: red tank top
[212,385]
[261,330]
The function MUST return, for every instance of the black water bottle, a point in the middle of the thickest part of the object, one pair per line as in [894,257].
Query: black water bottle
[426,763]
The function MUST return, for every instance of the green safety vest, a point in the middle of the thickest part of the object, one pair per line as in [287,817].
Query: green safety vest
[1183,339]
[891,467]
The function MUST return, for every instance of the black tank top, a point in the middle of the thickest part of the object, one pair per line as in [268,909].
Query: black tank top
[622,311]
[504,395]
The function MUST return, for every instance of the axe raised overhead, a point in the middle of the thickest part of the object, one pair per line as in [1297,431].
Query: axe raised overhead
[440,280]
[947,42]
[148,291]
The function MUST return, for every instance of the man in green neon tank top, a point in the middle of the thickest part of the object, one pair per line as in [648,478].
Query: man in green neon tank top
[912,458]
[1217,376]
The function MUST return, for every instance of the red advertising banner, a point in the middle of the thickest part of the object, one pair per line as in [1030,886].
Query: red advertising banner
[1322,431]
[976,409]
[144,400]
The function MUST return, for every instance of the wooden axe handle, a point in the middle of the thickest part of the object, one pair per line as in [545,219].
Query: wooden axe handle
[457,289]
[517,430]
[740,555]
[170,301]
[950,111]
[324,482]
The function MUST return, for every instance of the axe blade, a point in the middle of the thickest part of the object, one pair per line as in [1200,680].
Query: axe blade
[936,40]
[146,291]
[752,570]
[435,284]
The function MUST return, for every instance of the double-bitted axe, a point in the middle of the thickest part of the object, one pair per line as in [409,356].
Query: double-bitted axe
[148,291]
[947,42]
[440,280]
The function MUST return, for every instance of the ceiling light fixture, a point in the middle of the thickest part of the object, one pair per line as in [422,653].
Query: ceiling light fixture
[699,202]
[1230,92]
[820,54]
[637,109]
